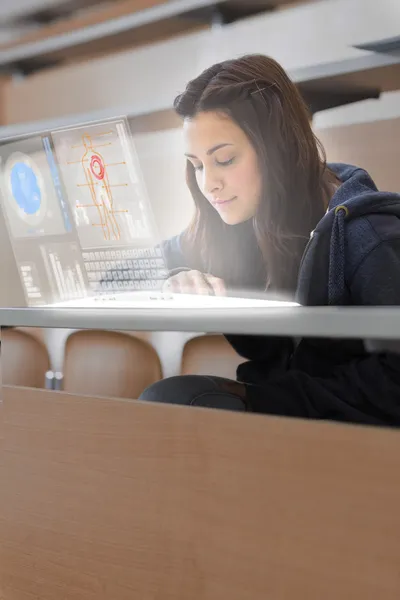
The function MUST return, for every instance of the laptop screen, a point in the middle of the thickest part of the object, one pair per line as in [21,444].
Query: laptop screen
[78,214]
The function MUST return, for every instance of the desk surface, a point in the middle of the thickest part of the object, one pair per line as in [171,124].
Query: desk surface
[355,322]
[108,499]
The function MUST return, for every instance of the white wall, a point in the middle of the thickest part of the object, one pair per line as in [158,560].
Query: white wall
[386,107]
[148,78]
[163,166]
[311,33]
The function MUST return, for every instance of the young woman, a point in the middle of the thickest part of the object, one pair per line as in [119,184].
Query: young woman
[272,215]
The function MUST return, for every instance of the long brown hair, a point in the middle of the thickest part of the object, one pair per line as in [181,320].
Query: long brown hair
[257,94]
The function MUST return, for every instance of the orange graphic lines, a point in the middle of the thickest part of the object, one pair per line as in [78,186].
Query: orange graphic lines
[75,162]
[115,185]
[103,201]
[93,145]
[102,145]
[115,164]
[122,210]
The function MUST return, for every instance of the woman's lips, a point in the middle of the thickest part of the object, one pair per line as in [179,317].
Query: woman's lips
[219,202]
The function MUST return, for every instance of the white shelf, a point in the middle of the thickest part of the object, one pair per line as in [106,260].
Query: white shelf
[368,72]
[325,85]
[381,323]
[35,55]
[48,47]
[21,130]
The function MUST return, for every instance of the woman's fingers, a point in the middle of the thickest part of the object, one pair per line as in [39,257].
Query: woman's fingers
[195,282]
[217,284]
[185,282]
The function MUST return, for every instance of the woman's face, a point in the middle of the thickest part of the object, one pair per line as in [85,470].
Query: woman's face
[226,165]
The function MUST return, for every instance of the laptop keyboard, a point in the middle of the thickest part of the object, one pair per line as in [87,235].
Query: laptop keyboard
[125,270]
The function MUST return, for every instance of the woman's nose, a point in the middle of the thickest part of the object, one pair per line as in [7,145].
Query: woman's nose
[211,183]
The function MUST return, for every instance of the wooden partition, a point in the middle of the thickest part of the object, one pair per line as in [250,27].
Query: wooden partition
[107,499]
[374,146]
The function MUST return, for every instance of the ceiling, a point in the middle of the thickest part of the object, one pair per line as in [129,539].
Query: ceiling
[20,17]
[27,25]
[14,13]
[23,10]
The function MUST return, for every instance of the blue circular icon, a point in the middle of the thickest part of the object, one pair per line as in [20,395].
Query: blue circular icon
[25,188]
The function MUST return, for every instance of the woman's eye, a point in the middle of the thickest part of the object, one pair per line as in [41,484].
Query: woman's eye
[225,163]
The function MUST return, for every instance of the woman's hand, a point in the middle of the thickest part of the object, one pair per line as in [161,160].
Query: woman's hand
[195,282]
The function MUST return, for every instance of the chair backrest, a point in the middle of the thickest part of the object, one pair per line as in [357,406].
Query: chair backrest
[210,355]
[24,359]
[114,499]
[109,363]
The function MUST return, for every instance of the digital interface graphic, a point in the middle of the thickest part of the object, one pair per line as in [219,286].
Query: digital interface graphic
[29,195]
[100,188]
[103,185]
[31,282]
[72,194]
[63,266]
[26,187]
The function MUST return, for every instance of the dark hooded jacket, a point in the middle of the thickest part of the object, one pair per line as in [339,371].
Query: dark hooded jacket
[352,258]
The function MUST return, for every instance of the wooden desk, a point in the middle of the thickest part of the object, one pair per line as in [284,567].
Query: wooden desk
[108,499]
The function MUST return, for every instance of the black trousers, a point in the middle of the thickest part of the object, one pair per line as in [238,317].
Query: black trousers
[365,392]
[199,390]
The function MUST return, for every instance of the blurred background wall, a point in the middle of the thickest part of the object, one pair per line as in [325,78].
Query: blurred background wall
[66,60]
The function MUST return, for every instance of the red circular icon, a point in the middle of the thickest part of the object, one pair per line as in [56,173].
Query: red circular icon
[97,167]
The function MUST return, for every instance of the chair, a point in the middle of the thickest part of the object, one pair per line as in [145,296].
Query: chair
[24,359]
[109,363]
[210,355]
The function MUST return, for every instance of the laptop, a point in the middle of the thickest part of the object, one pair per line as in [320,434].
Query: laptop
[81,225]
